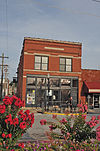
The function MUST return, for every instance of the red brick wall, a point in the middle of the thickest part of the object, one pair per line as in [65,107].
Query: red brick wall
[76,65]
[28,62]
[90,75]
[38,47]
[54,63]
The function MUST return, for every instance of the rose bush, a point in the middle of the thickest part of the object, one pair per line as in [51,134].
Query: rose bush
[74,129]
[13,122]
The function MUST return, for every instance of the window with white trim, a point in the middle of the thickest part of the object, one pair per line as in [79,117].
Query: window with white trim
[66,64]
[41,63]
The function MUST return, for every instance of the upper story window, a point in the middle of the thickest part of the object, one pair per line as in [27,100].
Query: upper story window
[65,64]
[41,63]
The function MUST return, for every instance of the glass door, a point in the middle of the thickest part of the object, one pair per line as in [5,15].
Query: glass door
[96,101]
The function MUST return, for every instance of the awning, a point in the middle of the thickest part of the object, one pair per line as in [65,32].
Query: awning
[93,87]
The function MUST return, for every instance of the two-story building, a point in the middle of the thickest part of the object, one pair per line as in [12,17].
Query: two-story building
[50,72]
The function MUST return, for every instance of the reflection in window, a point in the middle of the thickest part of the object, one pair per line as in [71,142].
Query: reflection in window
[30,96]
[65,64]
[65,82]
[40,81]
[65,95]
[30,81]
[54,82]
[41,63]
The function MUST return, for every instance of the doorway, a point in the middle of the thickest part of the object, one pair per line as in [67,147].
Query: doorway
[96,101]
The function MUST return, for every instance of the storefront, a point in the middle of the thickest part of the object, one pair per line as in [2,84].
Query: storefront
[50,90]
[93,94]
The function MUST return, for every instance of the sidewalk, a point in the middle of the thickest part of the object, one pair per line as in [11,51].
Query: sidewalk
[94,111]
[40,110]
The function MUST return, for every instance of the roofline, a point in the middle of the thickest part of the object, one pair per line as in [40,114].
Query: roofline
[92,69]
[51,40]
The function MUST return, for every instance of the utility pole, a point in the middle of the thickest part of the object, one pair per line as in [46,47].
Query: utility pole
[6,81]
[2,66]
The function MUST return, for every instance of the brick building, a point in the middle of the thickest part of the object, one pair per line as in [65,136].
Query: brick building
[49,73]
[91,87]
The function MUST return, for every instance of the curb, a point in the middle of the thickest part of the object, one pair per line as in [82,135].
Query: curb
[69,114]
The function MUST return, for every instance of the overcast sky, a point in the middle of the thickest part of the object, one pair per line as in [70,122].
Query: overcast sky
[68,20]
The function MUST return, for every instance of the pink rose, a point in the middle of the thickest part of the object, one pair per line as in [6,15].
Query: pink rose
[54,116]
[98,117]
[93,118]
[98,133]
[43,122]
[85,106]
[63,120]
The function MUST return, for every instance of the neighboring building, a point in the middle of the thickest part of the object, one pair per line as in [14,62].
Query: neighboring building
[91,87]
[13,87]
[49,72]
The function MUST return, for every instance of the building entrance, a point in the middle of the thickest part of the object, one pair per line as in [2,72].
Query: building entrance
[93,101]
[96,101]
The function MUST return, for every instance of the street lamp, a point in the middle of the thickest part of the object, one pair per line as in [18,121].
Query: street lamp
[48,84]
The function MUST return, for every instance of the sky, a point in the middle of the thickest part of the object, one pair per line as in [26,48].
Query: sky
[66,20]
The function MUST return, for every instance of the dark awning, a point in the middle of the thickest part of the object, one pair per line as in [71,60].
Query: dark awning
[93,87]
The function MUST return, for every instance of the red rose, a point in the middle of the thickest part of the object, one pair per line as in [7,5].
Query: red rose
[15,121]
[27,112]
[21,145]
[7,100]
[20,112]
[9,119]
[10,135]
[23,125]
[3,135]
[2,108]
[23,116]
[19,103]
[7,135]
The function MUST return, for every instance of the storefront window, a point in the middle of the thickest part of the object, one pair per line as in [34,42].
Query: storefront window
[54,82]
[40,81]
[31,81]
[30,96]
[65,82]
[65,95]
[59,90]
[75,83]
